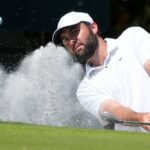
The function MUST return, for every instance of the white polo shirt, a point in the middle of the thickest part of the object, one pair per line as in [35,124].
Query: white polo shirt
[122,77]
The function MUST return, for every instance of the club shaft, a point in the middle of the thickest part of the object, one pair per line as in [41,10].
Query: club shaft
[133,122]
[110,118]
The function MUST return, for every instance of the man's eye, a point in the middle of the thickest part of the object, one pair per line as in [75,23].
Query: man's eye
[75,31]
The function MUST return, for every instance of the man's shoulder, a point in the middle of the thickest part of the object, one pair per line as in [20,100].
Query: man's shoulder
[132,35]
[84,84]
[133,28]
[133,31]
[84,81]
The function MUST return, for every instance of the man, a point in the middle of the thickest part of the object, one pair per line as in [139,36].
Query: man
[117,78]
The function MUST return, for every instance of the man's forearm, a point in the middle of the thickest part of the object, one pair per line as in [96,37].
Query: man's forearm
[120,111]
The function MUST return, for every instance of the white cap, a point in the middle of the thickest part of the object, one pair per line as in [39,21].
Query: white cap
[70,19]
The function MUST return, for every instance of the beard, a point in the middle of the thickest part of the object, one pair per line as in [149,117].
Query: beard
[89,50]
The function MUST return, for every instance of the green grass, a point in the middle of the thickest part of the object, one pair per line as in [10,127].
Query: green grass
[33,137]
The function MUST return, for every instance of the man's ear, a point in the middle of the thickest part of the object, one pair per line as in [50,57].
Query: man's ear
[94,27]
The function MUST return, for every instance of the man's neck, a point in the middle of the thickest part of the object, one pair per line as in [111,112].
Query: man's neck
[100,54]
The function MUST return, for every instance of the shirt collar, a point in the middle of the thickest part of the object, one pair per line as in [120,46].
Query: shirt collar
[111,48]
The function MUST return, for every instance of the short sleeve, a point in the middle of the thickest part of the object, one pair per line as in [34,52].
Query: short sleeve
[91,98]
[139,41]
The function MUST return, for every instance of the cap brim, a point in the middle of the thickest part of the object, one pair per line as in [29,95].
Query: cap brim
[56,37]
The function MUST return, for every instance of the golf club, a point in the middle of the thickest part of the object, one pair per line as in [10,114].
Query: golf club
[106,116]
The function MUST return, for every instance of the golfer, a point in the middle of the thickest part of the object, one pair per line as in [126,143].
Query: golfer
[117,78]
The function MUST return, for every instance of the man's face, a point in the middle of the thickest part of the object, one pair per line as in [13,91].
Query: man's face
[80,40]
